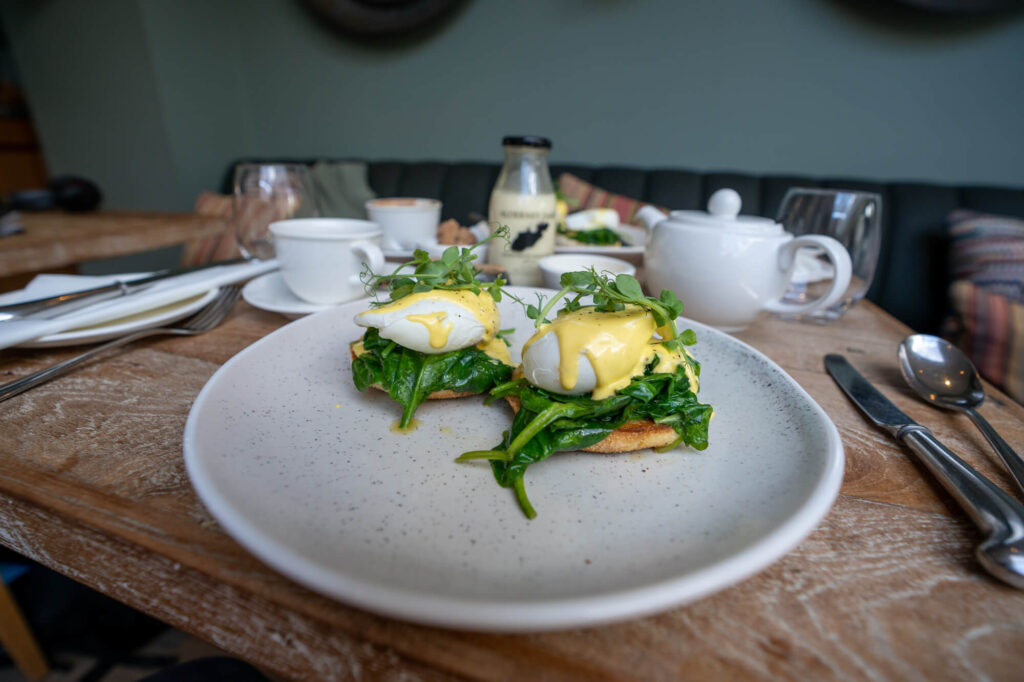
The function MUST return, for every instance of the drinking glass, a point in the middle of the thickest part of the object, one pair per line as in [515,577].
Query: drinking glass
[265,193]
[852,218]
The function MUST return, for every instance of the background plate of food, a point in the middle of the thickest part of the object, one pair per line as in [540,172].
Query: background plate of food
[314,479]
[599,230]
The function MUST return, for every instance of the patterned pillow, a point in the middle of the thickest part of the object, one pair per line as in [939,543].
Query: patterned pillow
[987,265]
[581,195]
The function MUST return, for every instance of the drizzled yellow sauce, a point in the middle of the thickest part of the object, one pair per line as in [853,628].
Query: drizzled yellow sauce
[396,426]
[618,345]
[438,327]
[497,349]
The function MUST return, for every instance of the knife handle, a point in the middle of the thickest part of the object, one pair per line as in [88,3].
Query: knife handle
[996,513]
[45,308]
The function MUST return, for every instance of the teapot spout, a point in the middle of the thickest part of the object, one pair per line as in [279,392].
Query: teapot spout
[650,216]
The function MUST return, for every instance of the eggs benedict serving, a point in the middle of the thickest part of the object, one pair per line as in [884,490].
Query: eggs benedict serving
[437,336]
[611,376]
[593,227]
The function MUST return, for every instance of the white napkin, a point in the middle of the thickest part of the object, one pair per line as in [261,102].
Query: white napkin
[13,332]
[810,268]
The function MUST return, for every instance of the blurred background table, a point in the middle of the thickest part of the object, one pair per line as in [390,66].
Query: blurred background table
[55,241]
[93,484]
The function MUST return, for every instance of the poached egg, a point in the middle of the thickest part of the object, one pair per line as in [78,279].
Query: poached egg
[585,351]
[593,218]
[440,321]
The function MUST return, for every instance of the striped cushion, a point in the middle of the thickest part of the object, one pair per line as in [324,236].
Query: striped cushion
[987,265]
[582,195]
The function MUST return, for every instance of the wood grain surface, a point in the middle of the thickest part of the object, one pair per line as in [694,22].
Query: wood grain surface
[53,240]
[92,484]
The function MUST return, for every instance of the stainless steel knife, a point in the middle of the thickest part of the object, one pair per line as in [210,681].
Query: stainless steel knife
[52,306]
[997,514]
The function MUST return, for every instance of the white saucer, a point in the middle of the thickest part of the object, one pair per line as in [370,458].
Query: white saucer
[269,292]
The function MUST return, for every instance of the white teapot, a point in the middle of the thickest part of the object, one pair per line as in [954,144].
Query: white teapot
[727,268]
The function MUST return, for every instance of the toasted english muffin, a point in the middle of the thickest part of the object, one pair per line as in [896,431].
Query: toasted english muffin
[638,434]
[436,395]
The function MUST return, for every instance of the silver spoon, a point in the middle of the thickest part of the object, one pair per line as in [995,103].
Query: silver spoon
[944,376]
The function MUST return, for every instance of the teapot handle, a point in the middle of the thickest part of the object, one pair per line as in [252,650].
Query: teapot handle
[840,259]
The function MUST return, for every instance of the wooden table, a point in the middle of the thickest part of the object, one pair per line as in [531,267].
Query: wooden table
[92,484]
[55,240]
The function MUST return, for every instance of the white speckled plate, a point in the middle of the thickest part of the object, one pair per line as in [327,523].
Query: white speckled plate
[306,473]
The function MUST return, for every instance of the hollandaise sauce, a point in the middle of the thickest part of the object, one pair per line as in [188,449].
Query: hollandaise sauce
[438,327]
[396,426]
[497,349]
[618,345]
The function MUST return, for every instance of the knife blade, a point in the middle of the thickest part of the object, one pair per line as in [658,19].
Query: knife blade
[876,406]
[61,304]
[997,514]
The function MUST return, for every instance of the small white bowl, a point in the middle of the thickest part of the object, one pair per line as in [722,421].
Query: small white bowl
[552,267]
[405,221]
[435,249]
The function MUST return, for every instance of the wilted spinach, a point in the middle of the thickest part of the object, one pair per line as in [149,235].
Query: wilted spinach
[547,422]
[410,376]
[599,236]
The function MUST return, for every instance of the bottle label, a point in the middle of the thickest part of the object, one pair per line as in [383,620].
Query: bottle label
[532,222]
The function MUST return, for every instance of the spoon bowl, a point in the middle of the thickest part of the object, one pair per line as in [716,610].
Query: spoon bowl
[941,374]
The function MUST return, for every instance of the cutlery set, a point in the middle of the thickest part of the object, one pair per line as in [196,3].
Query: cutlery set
[62,304]
[29,320]
[206,319]
[941,375]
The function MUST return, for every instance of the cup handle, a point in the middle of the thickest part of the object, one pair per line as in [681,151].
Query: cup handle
[372,256]
[840,259]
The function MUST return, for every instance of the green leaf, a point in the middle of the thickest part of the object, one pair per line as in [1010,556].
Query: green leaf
[450,256]
[668,298]
[628,286]
[579,278]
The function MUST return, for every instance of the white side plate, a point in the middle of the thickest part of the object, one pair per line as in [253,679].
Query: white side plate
[112,329]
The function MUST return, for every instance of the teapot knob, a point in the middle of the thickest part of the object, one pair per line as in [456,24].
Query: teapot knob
[725,203]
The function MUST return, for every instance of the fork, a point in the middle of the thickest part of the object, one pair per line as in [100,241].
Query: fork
[206,319]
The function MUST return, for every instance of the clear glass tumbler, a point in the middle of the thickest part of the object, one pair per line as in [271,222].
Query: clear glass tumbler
[852,218]
[265,193]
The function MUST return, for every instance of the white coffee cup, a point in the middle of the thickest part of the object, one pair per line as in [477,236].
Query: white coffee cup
[405,222]
[322,258]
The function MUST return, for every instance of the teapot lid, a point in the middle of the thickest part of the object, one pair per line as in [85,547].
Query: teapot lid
[723,213]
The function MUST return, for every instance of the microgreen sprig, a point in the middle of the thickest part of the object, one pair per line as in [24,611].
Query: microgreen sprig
[610,294]
[454,270]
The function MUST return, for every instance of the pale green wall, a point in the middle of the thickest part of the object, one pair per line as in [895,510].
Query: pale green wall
[154,98]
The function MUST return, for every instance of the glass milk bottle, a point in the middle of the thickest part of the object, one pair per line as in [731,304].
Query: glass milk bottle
[524,200]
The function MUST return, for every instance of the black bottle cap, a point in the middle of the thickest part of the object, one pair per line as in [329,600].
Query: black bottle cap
[526,141]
